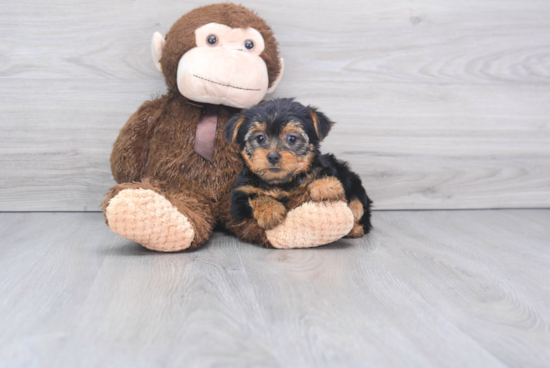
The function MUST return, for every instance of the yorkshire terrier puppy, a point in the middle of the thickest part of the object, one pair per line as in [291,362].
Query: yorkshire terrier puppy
[279,145]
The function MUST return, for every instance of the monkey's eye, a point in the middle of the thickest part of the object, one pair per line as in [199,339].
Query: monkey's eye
[212,40]
[260,139]
[291,139]
[249,45]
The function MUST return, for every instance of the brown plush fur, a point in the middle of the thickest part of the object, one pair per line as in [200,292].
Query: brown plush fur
[155,149]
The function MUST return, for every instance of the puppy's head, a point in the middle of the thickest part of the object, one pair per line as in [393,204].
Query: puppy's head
[278,139]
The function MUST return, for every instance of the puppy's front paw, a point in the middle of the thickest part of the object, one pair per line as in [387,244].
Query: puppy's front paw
[326,189]
[268,212]
[270,219]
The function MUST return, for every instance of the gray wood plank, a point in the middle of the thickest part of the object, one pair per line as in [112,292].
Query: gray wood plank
[425,289]
[55,146]
[370,41]
[438,104]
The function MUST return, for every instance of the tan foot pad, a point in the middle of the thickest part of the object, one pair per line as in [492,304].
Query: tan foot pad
[149,219]
[312,224]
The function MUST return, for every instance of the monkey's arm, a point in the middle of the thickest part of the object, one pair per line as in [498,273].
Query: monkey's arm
[131,148]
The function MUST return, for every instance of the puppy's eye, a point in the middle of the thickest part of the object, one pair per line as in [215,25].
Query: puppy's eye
[260,139]
[249,45]
[291,139]
[212,40]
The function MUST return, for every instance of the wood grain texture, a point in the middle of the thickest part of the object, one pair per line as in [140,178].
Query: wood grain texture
[438,104]
[425,289]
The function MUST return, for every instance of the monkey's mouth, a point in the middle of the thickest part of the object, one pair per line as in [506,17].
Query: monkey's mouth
[227,85]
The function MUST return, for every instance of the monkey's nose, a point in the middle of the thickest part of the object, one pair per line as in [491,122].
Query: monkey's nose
[273,158]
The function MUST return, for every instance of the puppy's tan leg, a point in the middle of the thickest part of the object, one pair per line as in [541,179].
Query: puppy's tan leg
[267,211]
[357,209]
[247,230]
[326,189]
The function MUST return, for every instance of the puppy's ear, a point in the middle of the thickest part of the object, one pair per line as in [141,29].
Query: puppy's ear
[232,128]
[321,123]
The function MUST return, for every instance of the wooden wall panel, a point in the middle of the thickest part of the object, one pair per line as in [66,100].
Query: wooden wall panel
[439,104]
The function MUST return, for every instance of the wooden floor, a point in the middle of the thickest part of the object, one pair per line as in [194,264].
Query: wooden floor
[425,289]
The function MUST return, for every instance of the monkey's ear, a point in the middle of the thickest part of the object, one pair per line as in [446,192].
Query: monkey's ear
[232,128]
[276,82]
[321,123]
[157,44]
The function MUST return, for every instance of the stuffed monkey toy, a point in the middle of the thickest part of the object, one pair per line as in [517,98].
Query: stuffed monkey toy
[174,168]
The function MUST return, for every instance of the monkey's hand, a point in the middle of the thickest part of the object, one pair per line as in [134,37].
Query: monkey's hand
[326,189]
[267,211]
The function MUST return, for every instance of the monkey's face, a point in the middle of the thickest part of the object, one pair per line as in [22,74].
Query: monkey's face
[224,67]
[277,152]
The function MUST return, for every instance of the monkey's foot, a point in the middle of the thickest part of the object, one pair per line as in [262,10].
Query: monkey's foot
[312,224]
[149,219]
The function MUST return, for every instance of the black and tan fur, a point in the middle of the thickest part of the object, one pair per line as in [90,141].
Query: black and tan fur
[279,146]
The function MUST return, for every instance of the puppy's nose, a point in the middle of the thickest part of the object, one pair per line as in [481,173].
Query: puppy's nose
[273,158]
